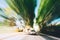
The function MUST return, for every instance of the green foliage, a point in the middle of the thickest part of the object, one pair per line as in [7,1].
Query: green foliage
[4,23]
[46,8]
[24,8]
[1,23]
[4,17]
[48,11]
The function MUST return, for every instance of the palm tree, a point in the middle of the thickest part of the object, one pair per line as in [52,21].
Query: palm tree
[8,20]
[2,14]
[46,10]
[24,8]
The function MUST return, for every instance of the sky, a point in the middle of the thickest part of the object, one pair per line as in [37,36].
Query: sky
[36,8]
[6,10]
[2,5]
[57,21]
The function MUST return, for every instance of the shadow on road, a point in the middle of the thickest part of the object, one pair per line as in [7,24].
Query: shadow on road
[48,37]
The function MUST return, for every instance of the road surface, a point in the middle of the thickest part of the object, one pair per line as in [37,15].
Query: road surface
[24,36]
[8,33]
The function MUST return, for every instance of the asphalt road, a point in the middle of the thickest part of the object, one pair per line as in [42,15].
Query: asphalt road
[10,33]
[24,36]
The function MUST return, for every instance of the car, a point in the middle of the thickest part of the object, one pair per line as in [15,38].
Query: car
[32,32]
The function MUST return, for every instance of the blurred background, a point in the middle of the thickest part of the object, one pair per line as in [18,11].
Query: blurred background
[41,15]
